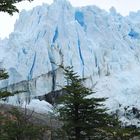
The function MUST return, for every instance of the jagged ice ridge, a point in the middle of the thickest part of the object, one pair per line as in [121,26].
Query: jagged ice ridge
[102,46]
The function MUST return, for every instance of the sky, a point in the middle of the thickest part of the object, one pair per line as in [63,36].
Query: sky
[122,6]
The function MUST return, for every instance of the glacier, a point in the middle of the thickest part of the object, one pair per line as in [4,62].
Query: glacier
[102,46]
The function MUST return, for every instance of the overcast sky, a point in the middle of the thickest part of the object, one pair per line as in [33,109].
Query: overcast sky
[122,6]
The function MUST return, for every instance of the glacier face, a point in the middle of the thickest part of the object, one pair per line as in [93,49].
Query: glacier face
[102,46]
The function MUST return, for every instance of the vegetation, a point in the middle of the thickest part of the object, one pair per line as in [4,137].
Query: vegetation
[8,6]
[86,118]
[82,118]
[4,75]
[15,125]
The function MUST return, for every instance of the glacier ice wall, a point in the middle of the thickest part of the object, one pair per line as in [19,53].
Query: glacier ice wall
[102,46]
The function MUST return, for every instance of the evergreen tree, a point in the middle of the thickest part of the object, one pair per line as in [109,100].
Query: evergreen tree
[3,94]
[8,6]
[83,117]
[123,133]
[4,75]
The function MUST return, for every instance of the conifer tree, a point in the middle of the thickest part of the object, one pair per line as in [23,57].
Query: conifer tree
[8,6]
[4,75]
[83,118]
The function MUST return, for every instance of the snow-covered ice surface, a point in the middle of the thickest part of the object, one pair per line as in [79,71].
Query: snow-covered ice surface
[102,46]
[35,105]
[39,106]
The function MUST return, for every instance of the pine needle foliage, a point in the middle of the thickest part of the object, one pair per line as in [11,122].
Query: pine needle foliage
[8,6]
[83,118]
[4,75]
